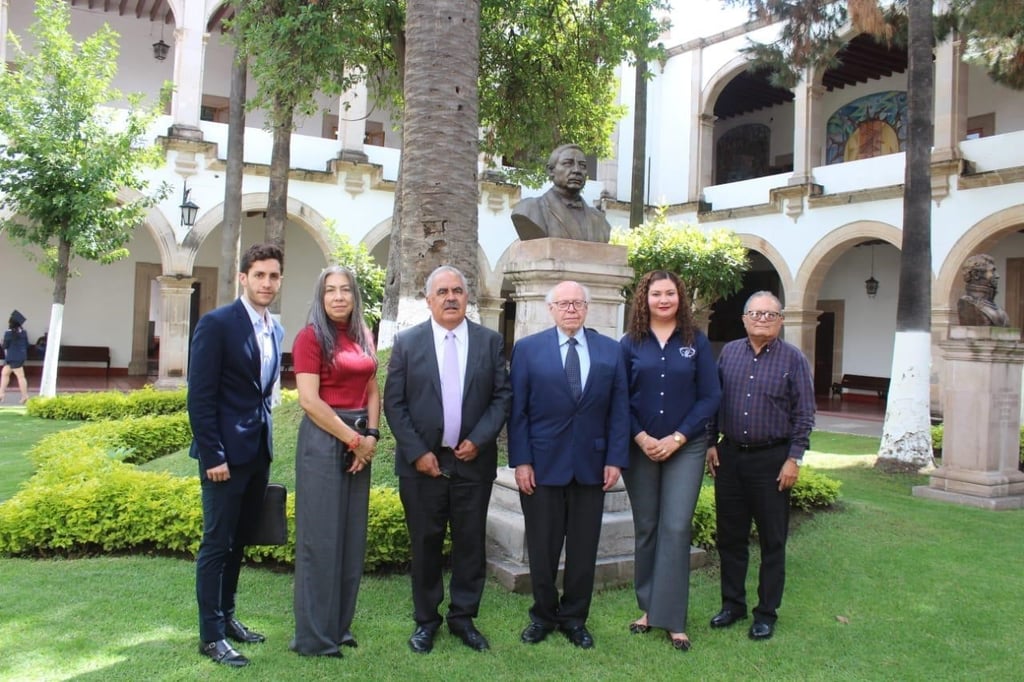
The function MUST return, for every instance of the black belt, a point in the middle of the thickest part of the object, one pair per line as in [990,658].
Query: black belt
[753,447]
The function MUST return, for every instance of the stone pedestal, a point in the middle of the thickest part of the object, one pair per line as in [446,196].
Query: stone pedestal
[537,265]
[981,437]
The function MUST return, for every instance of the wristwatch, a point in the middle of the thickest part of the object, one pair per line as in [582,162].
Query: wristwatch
[677,438]
[799,462]
[372,432]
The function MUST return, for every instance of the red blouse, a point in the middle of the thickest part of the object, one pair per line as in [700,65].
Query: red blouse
[343,384]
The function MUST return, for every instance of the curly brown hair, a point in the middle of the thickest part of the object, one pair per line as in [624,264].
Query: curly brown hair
[640,314]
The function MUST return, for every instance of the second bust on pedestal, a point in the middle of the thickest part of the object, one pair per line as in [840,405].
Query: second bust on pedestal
[561,212]
[977,307]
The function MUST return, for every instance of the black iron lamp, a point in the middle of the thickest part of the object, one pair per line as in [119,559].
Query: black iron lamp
[189,209]
[871,284]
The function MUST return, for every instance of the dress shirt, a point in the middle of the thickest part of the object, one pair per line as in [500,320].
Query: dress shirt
[264,329]
[461,342]
[581,350]
[766,396]
[671,389]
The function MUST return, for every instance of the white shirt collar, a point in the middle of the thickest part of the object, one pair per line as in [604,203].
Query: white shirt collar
[461,331]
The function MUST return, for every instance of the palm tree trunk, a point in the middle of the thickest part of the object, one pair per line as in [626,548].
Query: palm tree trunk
[438,193]
[906,434]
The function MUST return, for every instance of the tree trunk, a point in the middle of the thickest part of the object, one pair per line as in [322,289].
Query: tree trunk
[438,194]
[48,382]
[636,194]
[231,236]
[277,200]
[906,433]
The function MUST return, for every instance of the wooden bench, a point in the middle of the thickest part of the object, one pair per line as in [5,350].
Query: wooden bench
[73,355]
[860,382]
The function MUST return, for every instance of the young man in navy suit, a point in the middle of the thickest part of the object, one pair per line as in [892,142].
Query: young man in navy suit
[568,439]
[446,452]
[235,362]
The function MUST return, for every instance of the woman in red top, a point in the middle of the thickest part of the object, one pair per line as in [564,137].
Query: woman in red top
[336,375]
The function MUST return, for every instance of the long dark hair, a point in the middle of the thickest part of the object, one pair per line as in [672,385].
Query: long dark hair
[640,315]
[324,328]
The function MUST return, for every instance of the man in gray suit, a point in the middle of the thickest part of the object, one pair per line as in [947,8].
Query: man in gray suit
[446,399]
[561,211]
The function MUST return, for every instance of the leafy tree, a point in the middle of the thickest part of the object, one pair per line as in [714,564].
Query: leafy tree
[65,156]
[369,275]
[995,36]
[710,263]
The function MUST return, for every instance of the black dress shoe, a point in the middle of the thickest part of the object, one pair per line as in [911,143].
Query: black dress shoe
[238,632]
[348,640]
[422,640]
[223,653]
[725,618]
[761,630]
[471,637]
[579,636]
[535,633]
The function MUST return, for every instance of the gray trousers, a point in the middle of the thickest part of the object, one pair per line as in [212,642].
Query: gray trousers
[330,540]
[663,496]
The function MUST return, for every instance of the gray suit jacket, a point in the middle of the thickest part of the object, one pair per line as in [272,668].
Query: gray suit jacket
[412,399]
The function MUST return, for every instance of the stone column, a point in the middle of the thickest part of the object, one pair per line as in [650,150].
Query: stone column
[489,308]
[537,265]
[189,49]
[950,100]
[175,307]
[352,124]
[799,329]
[981,438]
[808,132]
[706,150]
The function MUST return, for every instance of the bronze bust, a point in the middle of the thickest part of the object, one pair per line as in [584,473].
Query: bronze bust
[977,307]
[561,212]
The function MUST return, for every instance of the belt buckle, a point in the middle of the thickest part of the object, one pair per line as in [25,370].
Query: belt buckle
[360,423]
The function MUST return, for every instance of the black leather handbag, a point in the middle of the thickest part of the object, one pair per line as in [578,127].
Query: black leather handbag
[272,527]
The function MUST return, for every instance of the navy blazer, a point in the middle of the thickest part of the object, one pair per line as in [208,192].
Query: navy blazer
[228,408]
[564,439]
[413,406]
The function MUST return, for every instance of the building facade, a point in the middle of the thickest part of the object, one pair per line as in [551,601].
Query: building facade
[810,178]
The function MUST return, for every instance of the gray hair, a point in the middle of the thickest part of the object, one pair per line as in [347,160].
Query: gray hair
[324,328]
[762,294]
[440,270]
[550,297]
[553,159]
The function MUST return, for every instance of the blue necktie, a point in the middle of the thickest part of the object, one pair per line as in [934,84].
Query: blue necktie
[572,369]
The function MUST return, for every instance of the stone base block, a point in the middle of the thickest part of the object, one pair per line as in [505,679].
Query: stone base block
[1003,503]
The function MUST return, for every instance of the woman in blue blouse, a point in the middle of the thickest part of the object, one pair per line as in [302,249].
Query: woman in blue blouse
[673,391]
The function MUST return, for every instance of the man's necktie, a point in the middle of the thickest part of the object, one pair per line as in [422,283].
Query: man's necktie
[451,392]
[572,369]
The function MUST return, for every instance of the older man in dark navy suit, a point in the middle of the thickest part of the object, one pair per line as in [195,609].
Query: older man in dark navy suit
[235,362]
[568,439]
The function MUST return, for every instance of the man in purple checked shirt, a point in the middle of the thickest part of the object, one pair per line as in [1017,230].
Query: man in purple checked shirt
[765,420]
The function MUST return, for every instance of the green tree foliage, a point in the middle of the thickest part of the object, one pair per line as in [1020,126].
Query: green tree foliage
[369,275]
[66,154]
[710,263]
[995,36]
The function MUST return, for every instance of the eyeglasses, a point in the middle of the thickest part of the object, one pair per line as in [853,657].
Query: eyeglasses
[769,315]
[565,305]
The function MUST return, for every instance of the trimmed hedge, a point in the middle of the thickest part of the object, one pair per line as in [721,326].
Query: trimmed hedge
[133,440]
[108,404]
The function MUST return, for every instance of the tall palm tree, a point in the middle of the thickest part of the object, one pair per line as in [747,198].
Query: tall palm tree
[437,221]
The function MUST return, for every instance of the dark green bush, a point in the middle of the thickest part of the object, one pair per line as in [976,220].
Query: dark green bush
[813,490]
[108,405]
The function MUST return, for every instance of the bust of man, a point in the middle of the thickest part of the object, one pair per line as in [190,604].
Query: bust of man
[561,211]
[977,307]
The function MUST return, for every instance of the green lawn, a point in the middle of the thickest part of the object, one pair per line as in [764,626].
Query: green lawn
[886,587]
[18,433]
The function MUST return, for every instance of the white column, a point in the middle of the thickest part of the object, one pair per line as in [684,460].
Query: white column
[950,100]
[706,151]
[189,56]
[808,132]
[352,123]
[697,129]
[175,308]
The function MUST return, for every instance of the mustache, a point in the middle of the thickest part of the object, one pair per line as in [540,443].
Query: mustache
[451,305]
